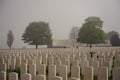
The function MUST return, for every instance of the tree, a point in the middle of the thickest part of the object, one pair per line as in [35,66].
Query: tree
[91,32]
[111,33]
[37,33]
[115,41]
[95,21]
[74,33]
[10,39]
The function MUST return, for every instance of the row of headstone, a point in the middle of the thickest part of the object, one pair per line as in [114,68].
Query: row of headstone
[72,60]
[75,75]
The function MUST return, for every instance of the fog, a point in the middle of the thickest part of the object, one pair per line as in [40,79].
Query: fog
[61,15]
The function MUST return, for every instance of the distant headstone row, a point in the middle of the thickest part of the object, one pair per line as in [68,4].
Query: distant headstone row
[60,64]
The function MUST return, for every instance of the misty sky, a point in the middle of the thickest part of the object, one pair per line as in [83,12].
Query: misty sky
[61,15]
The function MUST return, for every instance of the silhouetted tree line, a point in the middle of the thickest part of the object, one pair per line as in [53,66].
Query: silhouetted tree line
[91,32]
[115,40]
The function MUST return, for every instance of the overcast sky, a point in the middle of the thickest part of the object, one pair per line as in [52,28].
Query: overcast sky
[61,15]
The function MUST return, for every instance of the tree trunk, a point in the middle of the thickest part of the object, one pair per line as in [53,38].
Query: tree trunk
[10,47]
[36,46]
[90,45]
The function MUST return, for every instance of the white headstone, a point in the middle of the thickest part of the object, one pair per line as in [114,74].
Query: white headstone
[25,76]
[3,67]
[103,73]
[74,79]
[57,78]
[23,68]
[42,69]
[51,71]
[75,72]
[32,70]
[13,63]
[88,73]
[116,73]
[40,77]
[2,75]
[63,72]
[13,76]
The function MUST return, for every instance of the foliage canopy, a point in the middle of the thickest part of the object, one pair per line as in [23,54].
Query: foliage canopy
[115,41]
[91,31]
[10,39]
[37,33]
